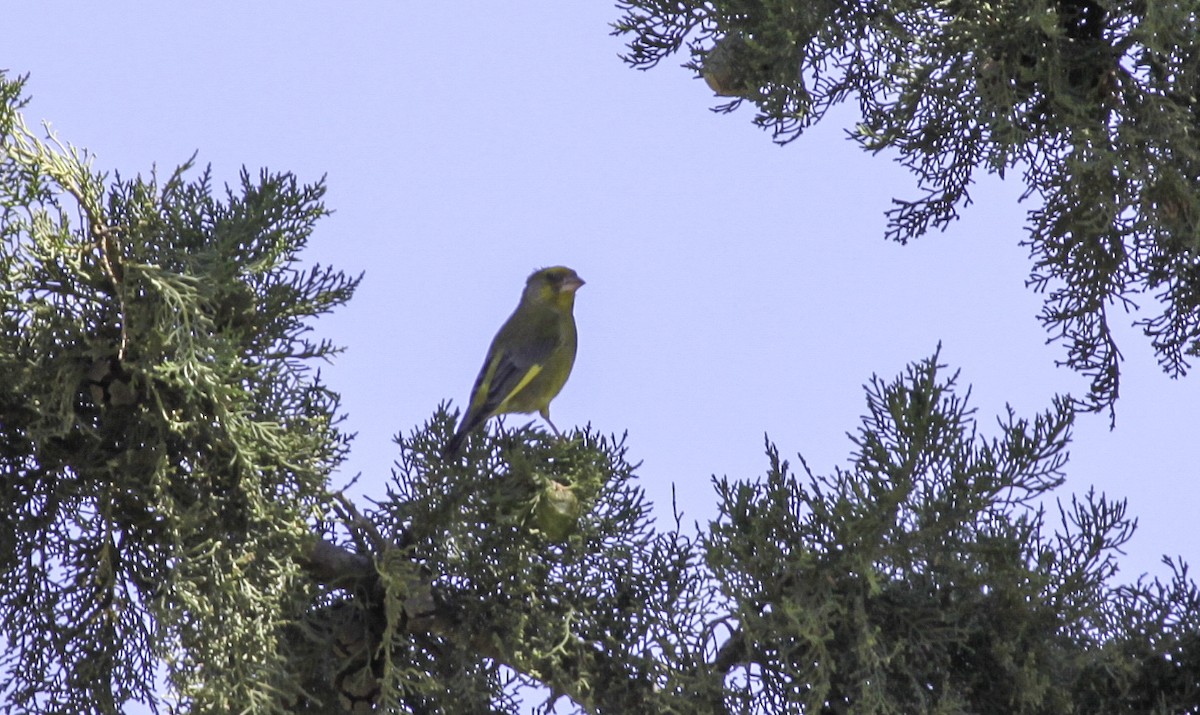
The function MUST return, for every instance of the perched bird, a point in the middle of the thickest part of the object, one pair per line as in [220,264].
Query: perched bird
[530,358]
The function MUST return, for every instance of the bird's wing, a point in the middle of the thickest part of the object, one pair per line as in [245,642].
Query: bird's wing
[510,371]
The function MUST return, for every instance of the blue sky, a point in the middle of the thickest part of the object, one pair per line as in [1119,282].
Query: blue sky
[735,288]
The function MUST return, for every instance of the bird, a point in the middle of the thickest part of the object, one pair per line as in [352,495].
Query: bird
[531,356]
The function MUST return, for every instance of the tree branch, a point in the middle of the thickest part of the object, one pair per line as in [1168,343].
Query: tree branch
[332,565]
[597,681]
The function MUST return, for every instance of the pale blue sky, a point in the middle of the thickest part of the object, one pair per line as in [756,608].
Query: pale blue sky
[734,287]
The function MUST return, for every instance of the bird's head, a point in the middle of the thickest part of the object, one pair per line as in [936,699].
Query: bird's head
[553,285]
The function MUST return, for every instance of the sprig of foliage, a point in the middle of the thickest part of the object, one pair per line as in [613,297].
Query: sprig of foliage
[1094,101]
[922,578]
[165,440]
[588,613]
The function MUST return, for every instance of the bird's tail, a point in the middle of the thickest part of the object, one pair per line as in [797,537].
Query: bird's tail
[455,443]
[470,421]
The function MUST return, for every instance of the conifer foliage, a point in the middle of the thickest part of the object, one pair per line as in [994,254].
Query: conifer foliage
[1096,103]
[165,441]
[169,536]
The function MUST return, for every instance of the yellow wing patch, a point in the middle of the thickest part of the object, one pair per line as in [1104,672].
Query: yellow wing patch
[525,380]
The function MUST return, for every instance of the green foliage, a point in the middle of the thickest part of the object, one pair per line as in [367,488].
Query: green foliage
[1094,101]
[922,580]
[585,615]
[165,444]
[164,450]
[1149,658]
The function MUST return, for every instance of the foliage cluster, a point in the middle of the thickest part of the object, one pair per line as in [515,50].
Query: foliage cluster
[164,443]
[1095,102]
[926,576]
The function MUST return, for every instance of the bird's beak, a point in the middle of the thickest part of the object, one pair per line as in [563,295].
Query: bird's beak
[572,284]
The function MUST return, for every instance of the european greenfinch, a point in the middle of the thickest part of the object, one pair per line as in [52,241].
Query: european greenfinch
[531,357]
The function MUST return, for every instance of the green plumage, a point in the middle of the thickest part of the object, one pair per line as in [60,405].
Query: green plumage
[531,356]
